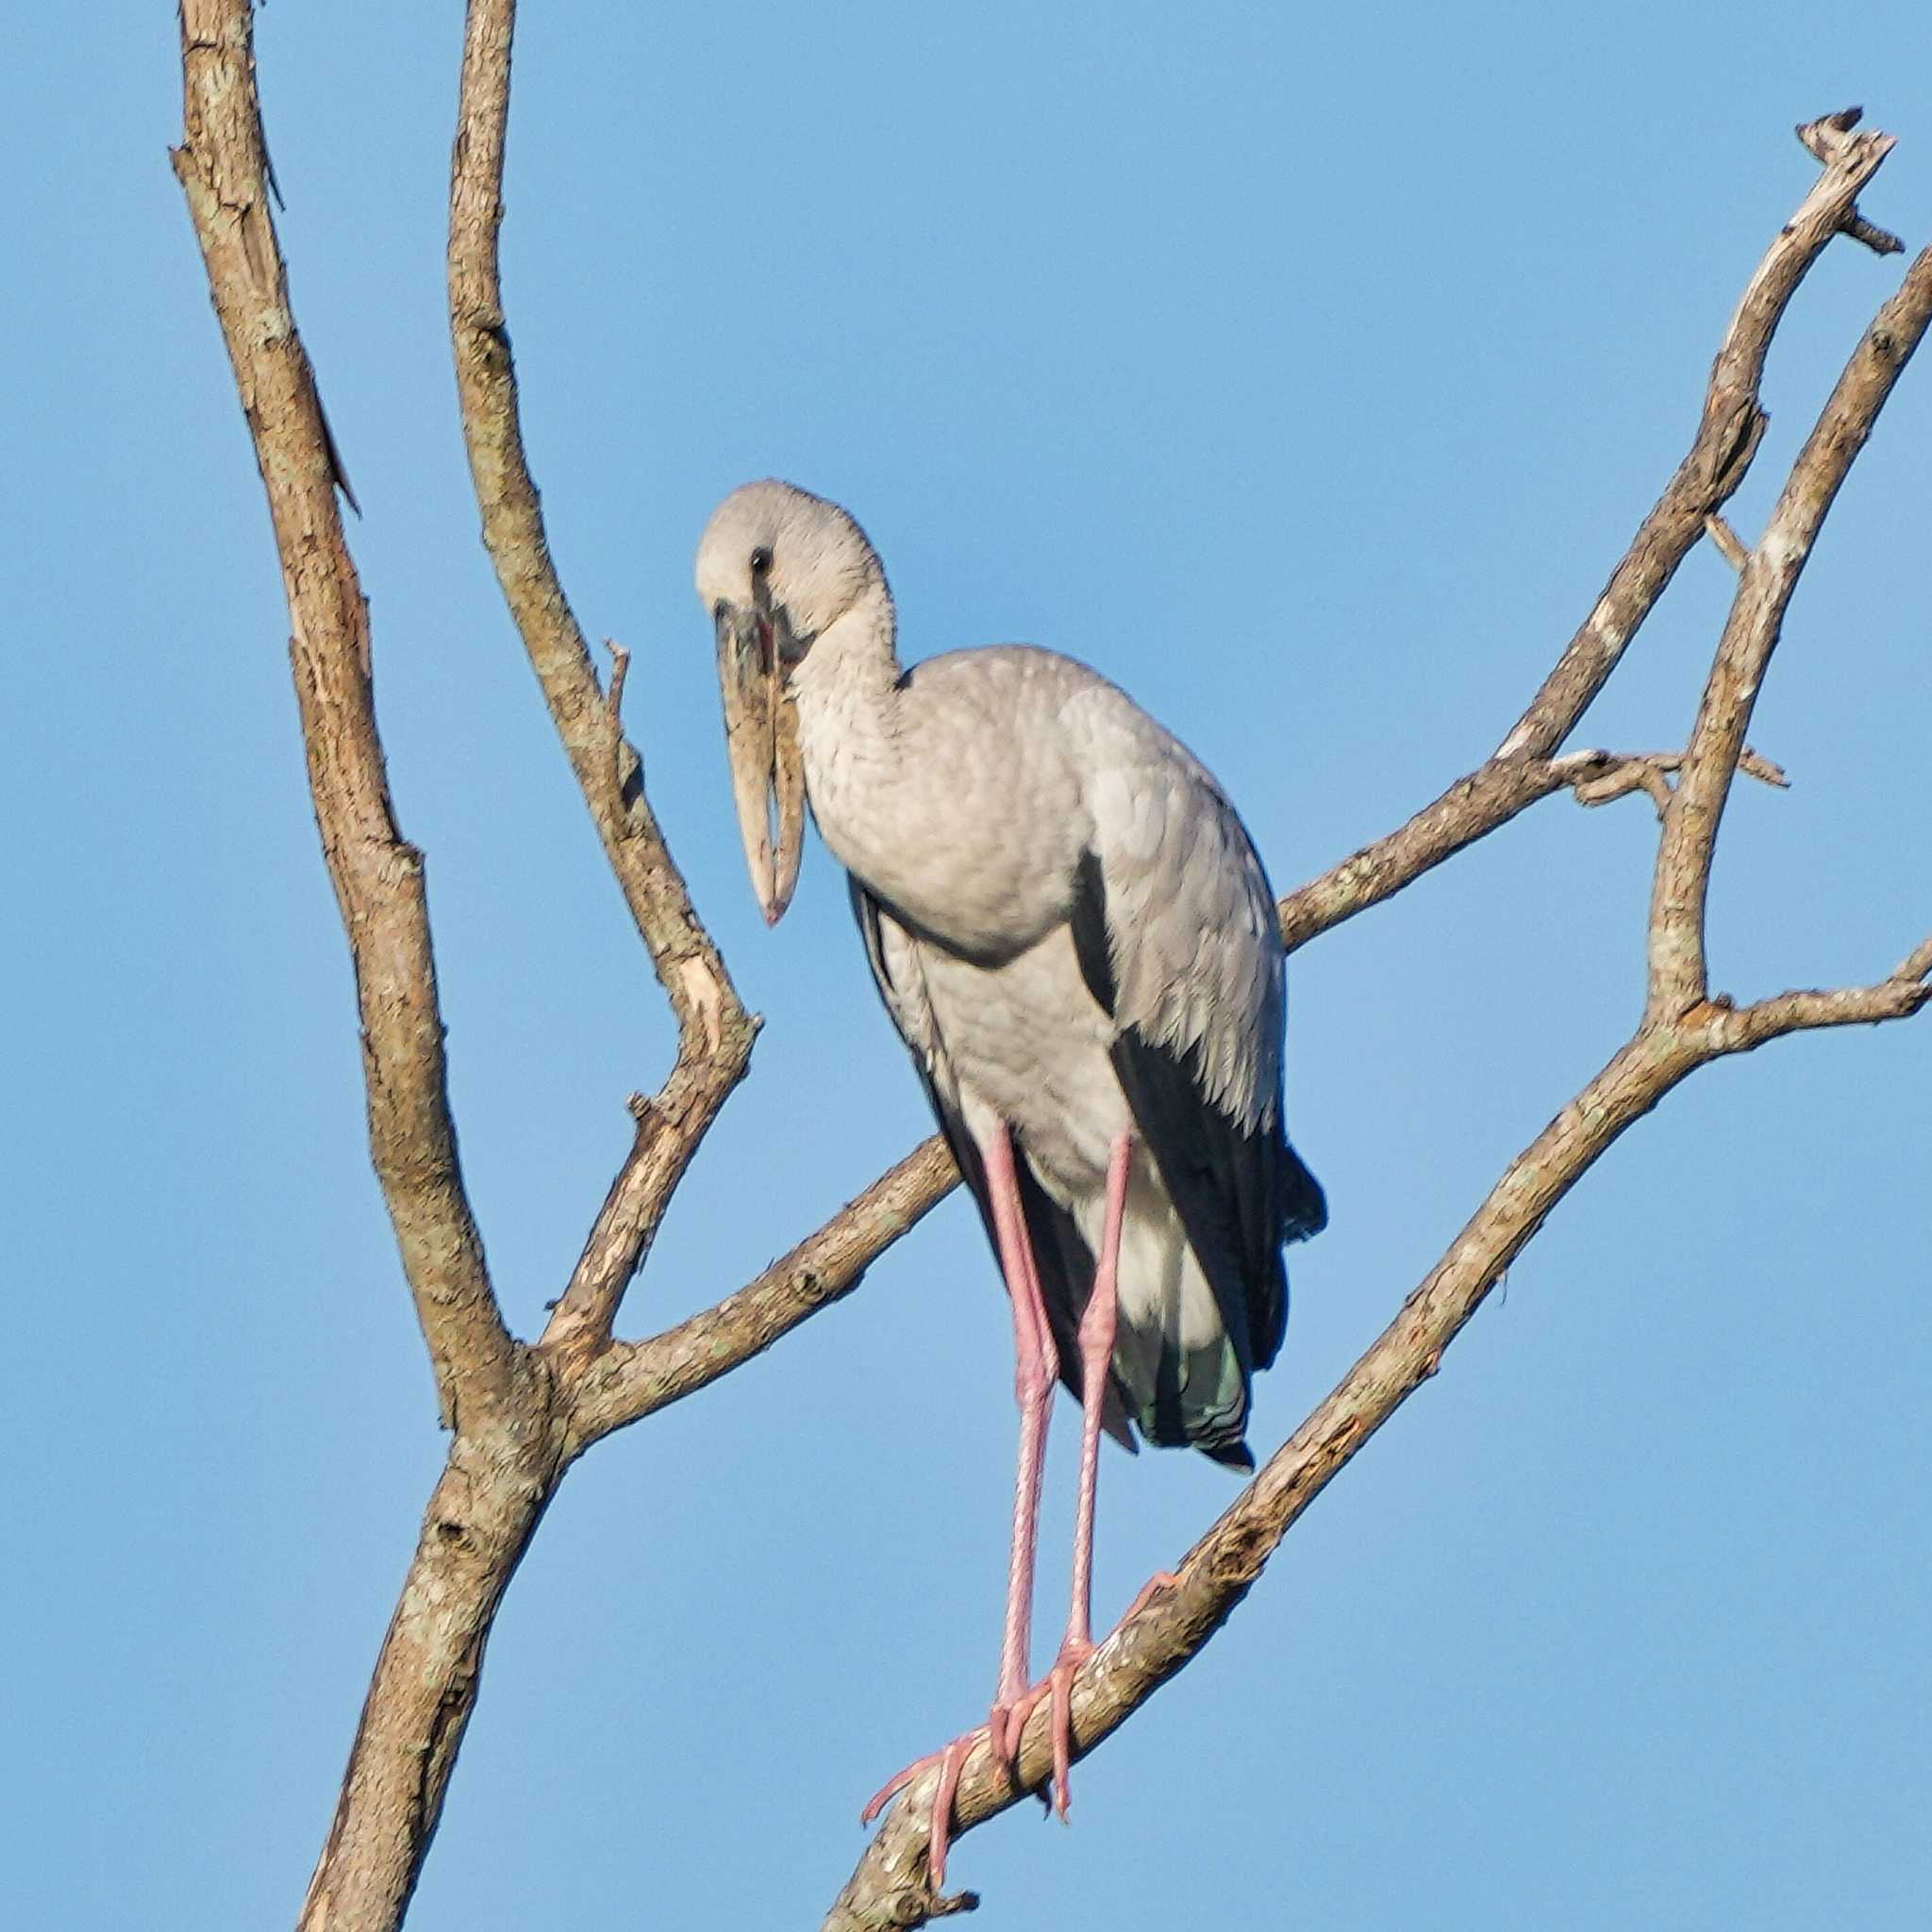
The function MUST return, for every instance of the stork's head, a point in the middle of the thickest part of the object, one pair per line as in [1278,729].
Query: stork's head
[777,568]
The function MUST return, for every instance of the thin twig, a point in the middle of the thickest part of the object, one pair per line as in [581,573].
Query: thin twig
[1647,774]
[1825,138]
[1898,996]
[1729,545]
[1600,776]
[613,702]
[1727,437]
[620,669]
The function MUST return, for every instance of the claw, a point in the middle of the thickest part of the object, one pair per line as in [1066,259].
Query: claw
[951,1762]
[1059,1688]
[886,1793]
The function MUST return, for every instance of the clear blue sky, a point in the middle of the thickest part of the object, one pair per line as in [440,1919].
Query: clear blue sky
[1307,374]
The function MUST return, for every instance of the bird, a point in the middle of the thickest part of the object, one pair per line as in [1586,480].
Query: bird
[1074,936]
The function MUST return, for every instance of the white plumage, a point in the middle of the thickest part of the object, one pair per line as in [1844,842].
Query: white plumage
[1073,935]
[1013,764]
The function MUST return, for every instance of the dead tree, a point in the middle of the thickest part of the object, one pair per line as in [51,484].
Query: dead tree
[520,1413]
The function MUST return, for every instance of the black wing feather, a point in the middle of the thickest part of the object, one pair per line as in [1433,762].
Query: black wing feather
[1241,1193]
[1092,948]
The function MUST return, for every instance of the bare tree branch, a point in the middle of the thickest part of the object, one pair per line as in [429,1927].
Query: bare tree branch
[606,770]
[1824,138]
[1678,971]
[377,873]
[669,1129]
[1729,543]
[505,1451]
[1727,436]
[1682,1030]
[1897,996]
[715,1033]
[631,1378]
[491,1494]
[1651,772]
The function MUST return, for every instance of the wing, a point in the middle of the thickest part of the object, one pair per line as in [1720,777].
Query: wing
[1063,1259]
[1175,926]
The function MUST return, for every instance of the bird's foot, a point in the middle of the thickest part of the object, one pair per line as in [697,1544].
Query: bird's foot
[1002,1731]
[1005,1726]
[951,1761]
[1075,1648]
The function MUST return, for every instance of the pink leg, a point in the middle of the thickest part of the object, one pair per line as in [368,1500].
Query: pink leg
[1097,1327]
[1035,1366]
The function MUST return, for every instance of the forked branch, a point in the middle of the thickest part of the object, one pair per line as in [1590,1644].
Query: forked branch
[1678,971]
[504,1454]
[1719,459]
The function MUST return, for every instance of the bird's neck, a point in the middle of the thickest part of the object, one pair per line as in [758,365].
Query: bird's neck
[855,658]
[848,699]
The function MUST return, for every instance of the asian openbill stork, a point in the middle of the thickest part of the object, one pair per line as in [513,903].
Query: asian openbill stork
[1075,936]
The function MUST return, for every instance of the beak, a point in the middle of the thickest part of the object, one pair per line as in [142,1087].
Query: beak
[762,738]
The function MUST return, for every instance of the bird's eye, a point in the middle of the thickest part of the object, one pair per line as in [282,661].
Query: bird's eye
[761,561]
